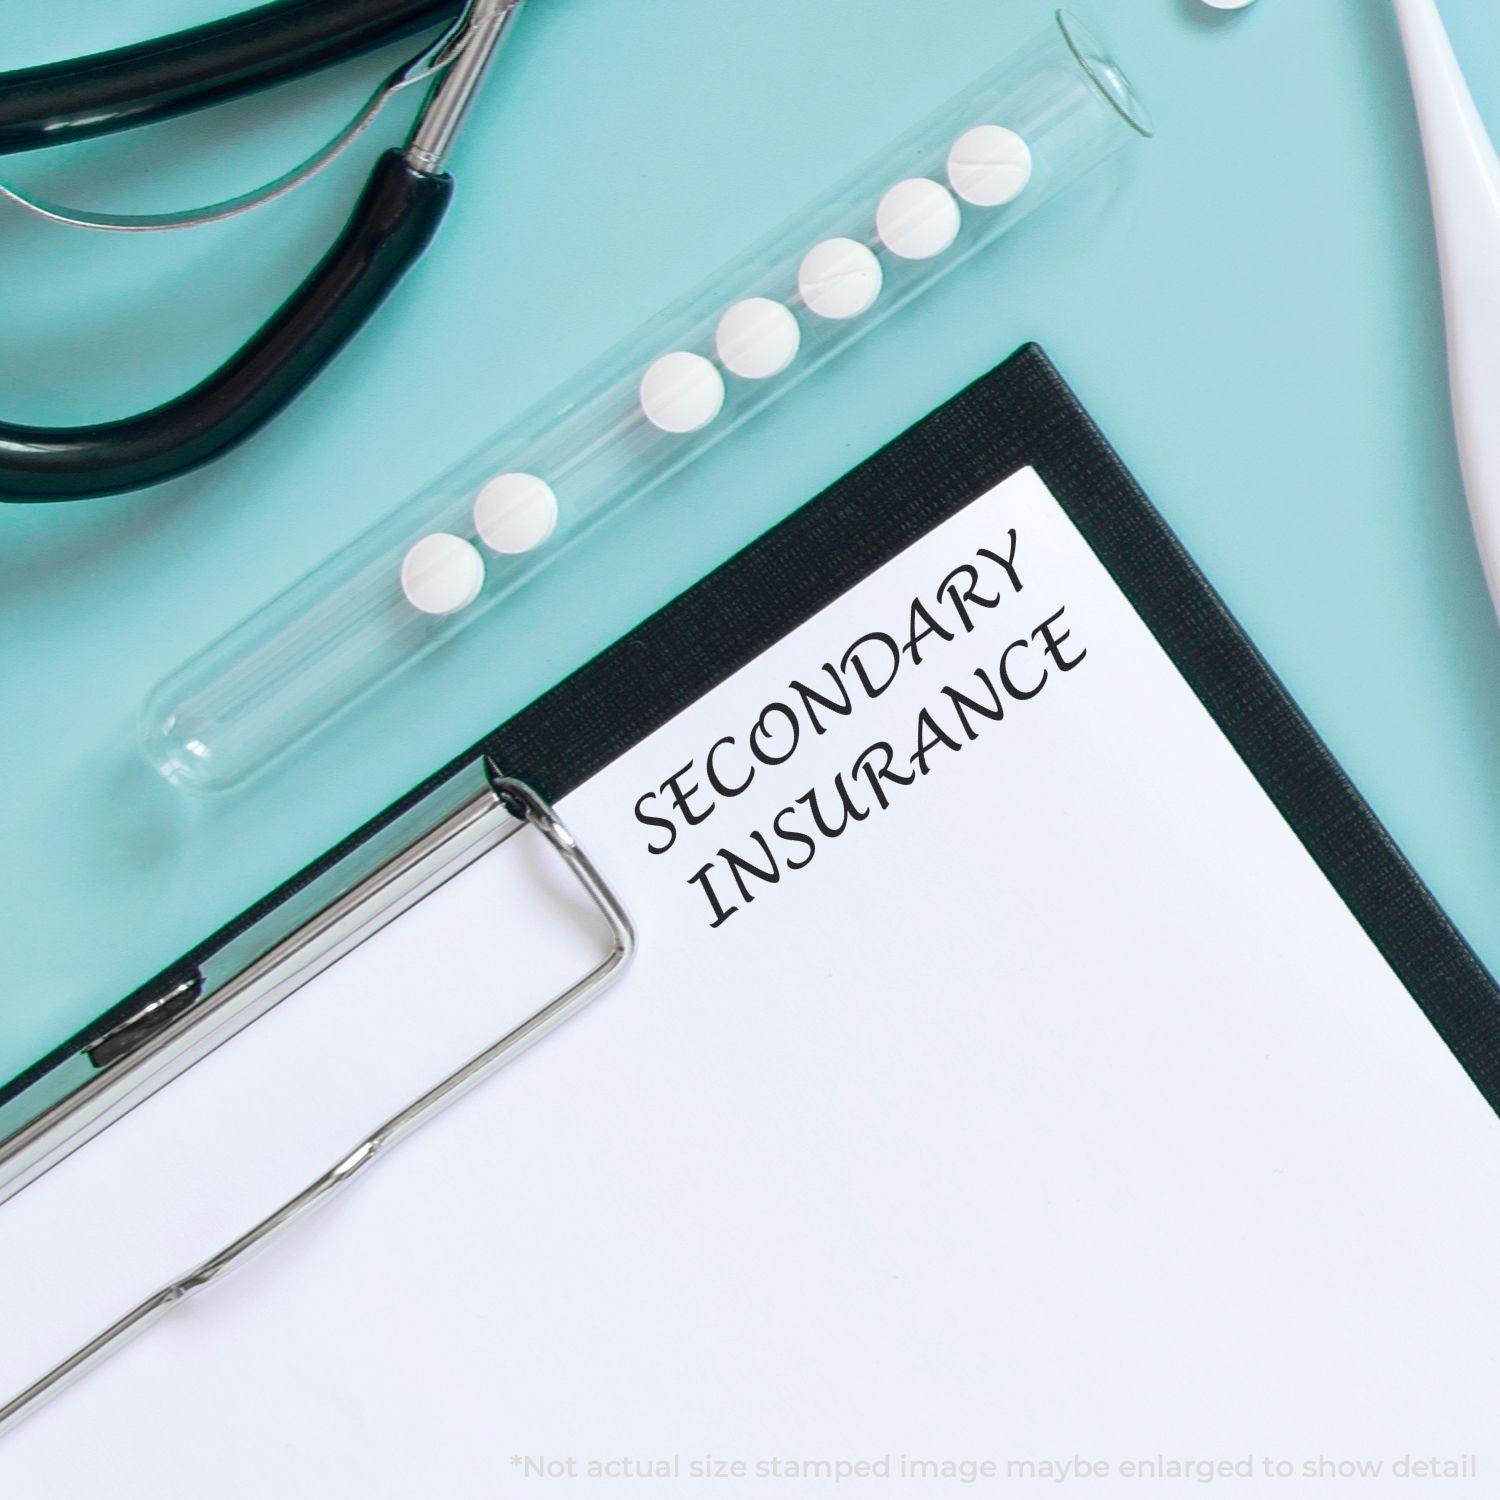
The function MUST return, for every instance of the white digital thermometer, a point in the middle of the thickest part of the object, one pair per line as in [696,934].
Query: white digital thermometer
[1464,173]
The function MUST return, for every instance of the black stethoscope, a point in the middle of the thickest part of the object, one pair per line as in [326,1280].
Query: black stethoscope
[391,224]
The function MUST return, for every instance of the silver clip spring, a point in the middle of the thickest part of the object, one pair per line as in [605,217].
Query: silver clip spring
[527,806]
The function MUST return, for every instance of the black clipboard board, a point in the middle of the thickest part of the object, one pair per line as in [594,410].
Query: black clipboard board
[1020,414]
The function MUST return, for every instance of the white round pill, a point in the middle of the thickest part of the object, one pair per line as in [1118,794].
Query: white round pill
[839,278]
[515,512]
[1227,4]
[441,573]
[989,165]
[681,392]
[757,338]
[917,219]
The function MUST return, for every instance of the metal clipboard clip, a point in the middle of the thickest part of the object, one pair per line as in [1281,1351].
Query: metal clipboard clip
[478,824]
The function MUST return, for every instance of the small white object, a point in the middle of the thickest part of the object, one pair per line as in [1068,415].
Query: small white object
[515,512]
[1228,4]
[917,219]
[1463,171]
[989,166]
[757,338]
[441,573]
[839,278]
[681,392]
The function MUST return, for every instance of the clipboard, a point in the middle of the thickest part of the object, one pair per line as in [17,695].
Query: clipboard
[1021,415]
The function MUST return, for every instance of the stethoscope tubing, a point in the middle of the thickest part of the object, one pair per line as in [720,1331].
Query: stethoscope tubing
[58,103]
[391,224]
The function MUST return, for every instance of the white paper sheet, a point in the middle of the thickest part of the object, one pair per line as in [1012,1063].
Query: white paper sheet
[1059,1111]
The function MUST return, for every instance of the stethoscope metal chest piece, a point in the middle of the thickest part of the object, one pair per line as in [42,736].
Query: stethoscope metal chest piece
[391,224]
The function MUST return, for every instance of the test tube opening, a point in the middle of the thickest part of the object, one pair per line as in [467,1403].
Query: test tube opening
[1105,74]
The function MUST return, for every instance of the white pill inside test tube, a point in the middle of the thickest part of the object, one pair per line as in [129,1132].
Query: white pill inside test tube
[989,166]
[839,278]
[441,573]
[514,513]
[757,338]
[917,219]
[681,392]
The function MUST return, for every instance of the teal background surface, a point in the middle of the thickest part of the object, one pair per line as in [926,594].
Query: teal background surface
[1248,305]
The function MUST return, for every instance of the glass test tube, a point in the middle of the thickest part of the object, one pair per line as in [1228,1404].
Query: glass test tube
[447,556]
